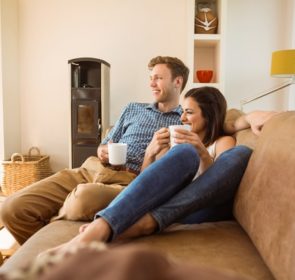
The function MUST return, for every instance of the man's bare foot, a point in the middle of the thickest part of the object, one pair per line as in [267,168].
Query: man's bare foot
[144,226]
[98,230]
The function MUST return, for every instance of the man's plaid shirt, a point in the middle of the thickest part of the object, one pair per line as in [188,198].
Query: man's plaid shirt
[136,127]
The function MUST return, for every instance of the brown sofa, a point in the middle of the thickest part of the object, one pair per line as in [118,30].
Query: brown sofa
[259,244]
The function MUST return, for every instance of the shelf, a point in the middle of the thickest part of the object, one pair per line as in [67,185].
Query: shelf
[207,50]
[206,57]
[206,43]
[207,37]
[216,85]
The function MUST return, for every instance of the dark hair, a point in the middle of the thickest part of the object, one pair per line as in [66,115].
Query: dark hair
[213,106]
[176,66]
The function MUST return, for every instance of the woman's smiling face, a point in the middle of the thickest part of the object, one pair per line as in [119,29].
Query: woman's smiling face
[192,115]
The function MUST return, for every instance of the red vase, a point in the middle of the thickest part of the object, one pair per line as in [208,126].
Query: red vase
[204,76]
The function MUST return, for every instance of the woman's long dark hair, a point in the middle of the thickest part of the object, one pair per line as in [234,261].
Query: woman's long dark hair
[213,106]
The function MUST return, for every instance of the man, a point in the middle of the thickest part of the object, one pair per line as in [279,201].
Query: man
[28,210]
[139,121]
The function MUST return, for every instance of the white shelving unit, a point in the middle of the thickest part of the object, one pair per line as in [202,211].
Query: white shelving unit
[207,51]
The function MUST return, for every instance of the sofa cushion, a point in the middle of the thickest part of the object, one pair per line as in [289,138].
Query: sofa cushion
[95,261]
[246,137]
[243,137]
[232,115]
[222,245]
[264,203]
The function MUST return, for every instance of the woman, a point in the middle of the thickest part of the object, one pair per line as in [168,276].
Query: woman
[164,192]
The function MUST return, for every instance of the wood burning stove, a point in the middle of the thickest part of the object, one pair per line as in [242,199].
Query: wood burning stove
[90,86]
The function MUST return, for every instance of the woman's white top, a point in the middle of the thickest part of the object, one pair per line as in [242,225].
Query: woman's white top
[212,150]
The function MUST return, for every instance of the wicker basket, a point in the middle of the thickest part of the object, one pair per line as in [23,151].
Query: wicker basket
[24,170]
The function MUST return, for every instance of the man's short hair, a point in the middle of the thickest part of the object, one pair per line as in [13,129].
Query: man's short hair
[177,67]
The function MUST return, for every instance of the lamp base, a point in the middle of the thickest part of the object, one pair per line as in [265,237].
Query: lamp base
[246,101]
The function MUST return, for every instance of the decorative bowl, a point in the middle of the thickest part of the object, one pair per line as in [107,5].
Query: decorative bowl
[204,76]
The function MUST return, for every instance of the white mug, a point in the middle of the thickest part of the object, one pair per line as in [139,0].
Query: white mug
[117,153]
[171,131]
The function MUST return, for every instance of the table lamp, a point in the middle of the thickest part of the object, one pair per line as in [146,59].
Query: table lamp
[282,66]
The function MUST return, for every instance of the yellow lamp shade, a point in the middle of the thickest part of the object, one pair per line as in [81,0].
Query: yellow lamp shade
[283,63]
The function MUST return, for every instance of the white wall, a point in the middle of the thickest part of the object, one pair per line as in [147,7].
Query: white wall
[291,24]
[1,92]
[254,30]
[10,138]
[127,34]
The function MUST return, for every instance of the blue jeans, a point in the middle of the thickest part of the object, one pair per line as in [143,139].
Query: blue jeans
[165,189]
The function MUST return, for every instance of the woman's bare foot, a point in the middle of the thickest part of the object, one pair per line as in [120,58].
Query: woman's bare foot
[98,230]
[144,226]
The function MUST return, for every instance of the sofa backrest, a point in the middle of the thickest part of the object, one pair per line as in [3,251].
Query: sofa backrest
[264,204]
[245,136]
